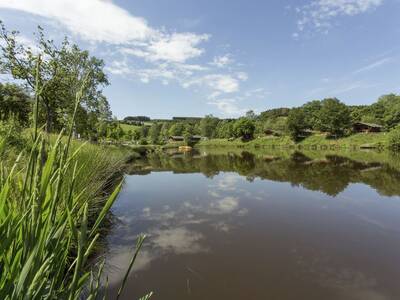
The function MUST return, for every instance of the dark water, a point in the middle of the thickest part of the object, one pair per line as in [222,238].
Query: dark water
[260,226]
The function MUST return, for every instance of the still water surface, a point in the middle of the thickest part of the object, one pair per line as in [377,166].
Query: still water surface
[256,226]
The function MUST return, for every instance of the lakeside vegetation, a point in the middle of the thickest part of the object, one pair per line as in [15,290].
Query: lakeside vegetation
[55,192]
[319,123]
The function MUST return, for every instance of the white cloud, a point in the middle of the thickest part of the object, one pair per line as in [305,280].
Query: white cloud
[28,42]
[218,83]
[319,14]
[94,20]
[258,93]
[177,47]
[373,65]
[119,68]
[136,50]
[222,61]
[242,76]
[103,21]
[228,107]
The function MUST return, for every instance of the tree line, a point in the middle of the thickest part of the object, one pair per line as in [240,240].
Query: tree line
[65,66]
[329,116]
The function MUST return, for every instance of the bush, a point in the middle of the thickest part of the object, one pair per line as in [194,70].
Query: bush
[11,134]
[244,128]
[394,138]
[143,142]
[296,123]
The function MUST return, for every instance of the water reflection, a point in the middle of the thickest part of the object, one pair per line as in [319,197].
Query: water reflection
[328,173]
[260,226]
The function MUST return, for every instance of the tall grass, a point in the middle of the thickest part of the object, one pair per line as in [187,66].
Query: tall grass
[50,215]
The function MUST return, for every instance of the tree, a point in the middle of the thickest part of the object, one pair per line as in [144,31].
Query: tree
[334,117]
[136,135]
[14,102]
[244,128]
[296,123]
[311,112]
[225,129]
[154,133]
[208,125]
[391,105]
[144,131]
[177,129]
[251,115]
[394,138]
[63,69]
[137,119]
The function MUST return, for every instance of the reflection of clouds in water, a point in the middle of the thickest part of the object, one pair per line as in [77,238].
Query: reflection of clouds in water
[171,227]
[228,182]
[214,194]
[225,206]
[222,226]
[177,240]
[160,242]
[118,260]
[242,212]
[342,279]
[164,216]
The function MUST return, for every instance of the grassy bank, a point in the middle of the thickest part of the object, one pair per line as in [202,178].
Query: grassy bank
[54,198]
[355,141]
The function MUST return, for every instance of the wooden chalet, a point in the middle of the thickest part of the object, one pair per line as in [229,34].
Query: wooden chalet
[180,138]
[367,127]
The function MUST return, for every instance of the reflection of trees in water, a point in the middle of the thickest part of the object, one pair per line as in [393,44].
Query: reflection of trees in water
[330,175]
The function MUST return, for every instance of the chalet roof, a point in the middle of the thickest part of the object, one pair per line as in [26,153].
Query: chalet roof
[179,137]
[368,124]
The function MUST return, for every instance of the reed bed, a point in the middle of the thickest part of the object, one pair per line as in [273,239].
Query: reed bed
[51,210]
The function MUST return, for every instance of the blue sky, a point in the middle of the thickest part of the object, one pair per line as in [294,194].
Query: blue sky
[170,58]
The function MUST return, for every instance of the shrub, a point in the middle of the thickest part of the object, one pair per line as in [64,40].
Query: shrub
[296,123]
[11,133]
[244,128]
[394,138]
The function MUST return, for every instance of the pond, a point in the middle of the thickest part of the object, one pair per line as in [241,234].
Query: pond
[277,225]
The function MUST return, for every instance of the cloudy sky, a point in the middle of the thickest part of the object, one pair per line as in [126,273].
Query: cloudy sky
[190,58]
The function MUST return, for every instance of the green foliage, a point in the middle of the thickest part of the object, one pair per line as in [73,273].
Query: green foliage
[296,123]
[225,129]
[137,119]
[187,138]
[177,129]
[62,72]
[391,105]
[277,124]
[14,103]
[312,118]
[334,117]
[274,113]
[394,138]
[154,133]
[208,125]
[11,134]
[244,128]
[143,141]
[50,217]
[251,115]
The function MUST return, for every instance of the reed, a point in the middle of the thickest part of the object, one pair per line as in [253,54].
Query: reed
[49,220]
